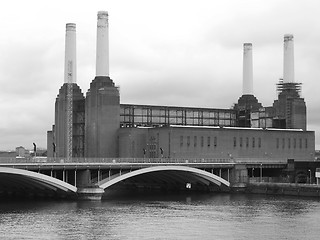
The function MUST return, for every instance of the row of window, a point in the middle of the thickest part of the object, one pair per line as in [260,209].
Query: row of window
[176,112]
[155,120]
[202,140]
[245,142]
[289,143]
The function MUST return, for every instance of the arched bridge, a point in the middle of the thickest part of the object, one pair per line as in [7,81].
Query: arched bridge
[165,176]
[28,183]
[78,176]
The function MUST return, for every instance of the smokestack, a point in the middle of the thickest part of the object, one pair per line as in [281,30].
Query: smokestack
[247,87]
[70,68]
[288,59]
[102,61]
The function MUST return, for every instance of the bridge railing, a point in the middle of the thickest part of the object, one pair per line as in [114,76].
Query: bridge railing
[261,160]
[36,160]
[116,160]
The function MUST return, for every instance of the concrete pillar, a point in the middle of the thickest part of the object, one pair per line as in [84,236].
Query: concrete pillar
[102,57]
[247,81]
[86,190]
[63,175]
[70,73]
[239,174]
[83,178]
[75,178]
[288,59]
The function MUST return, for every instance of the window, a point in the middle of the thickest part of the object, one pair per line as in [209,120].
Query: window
[240,141]
[202,141]
[234,141]
[188,141]
[208,141]
[306,143]
[277,142]
[283,142]
[289,143]
[181,141]
[253,142]
[294,143]
[215,141]
[259,142]
[247,142]
[195,141]
[300,143]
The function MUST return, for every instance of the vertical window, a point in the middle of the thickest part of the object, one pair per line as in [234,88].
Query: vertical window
[259,142]
[289,143]
[195,141]
[294,143]
[306,143]
[234,141]
[277,142]
[188,141]
[201,141]
[253,142]
[208,141]
[240,141]
[283,142]
[247,142]
[181,141]
[215,141]
[300,143]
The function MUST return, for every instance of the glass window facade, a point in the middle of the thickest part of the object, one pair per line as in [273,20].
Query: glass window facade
[145,115]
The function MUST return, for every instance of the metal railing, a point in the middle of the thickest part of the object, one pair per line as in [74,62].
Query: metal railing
[115,160]
[6,160]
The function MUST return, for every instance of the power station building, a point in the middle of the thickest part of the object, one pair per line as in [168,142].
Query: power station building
[98,126]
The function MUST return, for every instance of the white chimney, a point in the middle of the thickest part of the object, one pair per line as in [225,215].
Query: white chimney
[288,59]
[70,65]
[247,87]
[102,61]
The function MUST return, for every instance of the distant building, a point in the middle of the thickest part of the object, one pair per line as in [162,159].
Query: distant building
[6,154]
[22,152]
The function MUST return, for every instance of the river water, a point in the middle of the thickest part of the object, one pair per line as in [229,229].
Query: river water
[183,216]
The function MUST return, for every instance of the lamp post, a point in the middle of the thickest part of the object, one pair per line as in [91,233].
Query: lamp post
[35,149]
[309,176]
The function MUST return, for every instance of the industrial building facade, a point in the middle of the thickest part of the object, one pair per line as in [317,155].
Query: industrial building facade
[103,128]
[245,144]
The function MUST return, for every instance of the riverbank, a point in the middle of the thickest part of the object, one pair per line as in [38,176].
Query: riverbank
[290,189]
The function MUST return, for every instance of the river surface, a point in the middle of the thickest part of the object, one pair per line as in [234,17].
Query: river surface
[183,216]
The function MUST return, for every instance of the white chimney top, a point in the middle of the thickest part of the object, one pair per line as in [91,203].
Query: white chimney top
[247,81]
[102,54]
[288,59]
[70,64]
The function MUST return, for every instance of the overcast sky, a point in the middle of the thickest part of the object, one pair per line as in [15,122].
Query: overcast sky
[166,52]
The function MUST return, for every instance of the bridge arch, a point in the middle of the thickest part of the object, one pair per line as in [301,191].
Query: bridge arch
[199,174]
[24,181]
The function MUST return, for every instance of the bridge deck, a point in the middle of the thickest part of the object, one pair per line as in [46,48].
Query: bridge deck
[131,163]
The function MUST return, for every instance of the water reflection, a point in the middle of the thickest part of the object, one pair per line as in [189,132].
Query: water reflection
[174,216]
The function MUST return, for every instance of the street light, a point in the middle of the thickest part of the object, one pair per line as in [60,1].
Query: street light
[35,149]
[309,176]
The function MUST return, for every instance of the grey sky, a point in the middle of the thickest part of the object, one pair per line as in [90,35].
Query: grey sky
[168,52]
